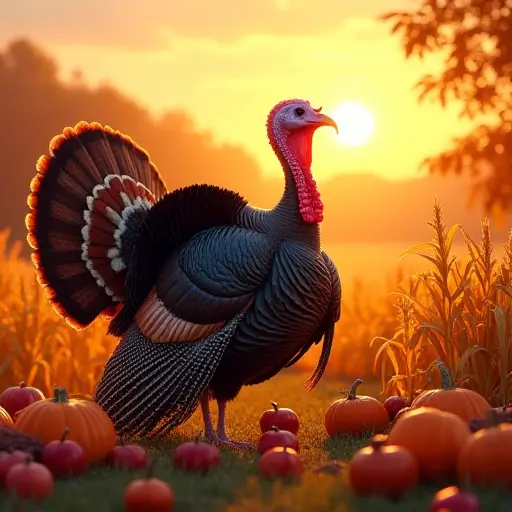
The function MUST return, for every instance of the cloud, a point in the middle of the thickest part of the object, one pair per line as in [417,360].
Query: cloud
[136,25]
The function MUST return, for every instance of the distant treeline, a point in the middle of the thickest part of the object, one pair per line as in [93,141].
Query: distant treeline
[36,104]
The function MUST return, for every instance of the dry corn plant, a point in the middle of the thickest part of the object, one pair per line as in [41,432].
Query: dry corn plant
[459,312]
[36,345]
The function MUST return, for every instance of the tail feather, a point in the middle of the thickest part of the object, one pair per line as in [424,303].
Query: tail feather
[149,388]
[85,204]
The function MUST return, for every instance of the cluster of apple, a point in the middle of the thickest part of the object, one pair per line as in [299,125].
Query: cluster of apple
[21,475]
[278,444]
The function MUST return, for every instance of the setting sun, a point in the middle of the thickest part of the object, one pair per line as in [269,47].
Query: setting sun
[355,122]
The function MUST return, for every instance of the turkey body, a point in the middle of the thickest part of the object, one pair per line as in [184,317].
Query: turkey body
[207,293]
[283,284]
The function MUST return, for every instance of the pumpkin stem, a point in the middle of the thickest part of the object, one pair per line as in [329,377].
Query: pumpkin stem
[378,441]
[60,395]
[22,384]
[198,437]
[274,405]
[352,392]
[446,376]
[65,433]
[274,428]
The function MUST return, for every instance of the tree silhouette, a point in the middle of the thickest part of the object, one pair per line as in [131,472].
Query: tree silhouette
[474,39]
[36,104]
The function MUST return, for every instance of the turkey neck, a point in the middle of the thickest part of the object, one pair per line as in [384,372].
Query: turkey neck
[285,220]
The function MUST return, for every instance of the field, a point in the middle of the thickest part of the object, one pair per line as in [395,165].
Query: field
[454,309]
[236,486]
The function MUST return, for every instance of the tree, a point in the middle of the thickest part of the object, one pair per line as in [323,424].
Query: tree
[474,39]
[36,104]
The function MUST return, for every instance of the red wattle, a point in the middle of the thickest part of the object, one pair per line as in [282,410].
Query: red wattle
[300,144]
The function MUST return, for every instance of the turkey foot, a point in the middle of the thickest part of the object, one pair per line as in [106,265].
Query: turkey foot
[218,440]
[221,437]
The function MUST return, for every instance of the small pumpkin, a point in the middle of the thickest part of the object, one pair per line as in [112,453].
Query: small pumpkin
[465,403]
[5,418]
[485,458]
[434,437]
[383,470]
[356,415]
[88,424]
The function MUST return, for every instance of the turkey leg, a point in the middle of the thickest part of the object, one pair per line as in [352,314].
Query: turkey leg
[221,436]
[221,429]
[209,431]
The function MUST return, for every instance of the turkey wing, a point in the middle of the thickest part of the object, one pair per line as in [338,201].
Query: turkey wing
[204,284]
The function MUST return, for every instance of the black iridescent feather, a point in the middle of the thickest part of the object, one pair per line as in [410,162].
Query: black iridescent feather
[170,223]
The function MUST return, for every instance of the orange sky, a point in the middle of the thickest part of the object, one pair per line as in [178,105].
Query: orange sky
[228,62]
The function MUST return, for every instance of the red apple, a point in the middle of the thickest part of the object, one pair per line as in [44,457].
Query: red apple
[451,499]
[149,494]
[128,456]
[285,419]
[280,462]
[64,457]
[196,456]
[9,459]
[16,398]
[276,437]
[394,404]
[400,413]
[29,480]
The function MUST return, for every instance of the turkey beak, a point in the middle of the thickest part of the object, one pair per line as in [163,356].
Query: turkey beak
[323,120]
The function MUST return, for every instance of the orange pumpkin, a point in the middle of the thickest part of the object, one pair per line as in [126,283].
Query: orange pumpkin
[382,469]
[88,424]
[356,415]
[485,458]
[434,437]
[5,419]
[465,403]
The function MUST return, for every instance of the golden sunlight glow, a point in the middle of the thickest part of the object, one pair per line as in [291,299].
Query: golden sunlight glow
[355,122]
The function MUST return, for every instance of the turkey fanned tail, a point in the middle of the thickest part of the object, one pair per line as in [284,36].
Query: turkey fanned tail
[148,389]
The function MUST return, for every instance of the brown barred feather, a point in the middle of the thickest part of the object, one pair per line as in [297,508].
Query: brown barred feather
[81,197]
[160,325]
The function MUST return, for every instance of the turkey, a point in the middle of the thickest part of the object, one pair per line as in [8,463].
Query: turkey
[207,293]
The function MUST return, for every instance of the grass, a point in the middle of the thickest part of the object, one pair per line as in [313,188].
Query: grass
[236,487]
